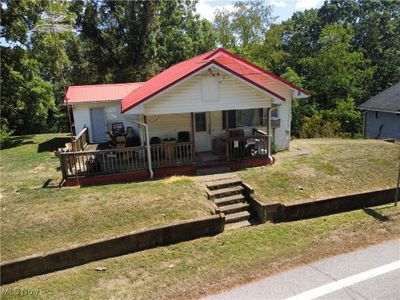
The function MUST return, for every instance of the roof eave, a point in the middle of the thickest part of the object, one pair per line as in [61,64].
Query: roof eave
[379,110]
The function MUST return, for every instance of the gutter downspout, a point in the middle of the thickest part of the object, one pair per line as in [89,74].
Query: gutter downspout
[147,146]
[269,134]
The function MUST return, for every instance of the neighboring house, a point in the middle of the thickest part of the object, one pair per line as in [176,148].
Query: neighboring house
[223,107]
[382,114]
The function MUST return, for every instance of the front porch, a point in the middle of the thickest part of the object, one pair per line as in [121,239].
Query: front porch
[103,162]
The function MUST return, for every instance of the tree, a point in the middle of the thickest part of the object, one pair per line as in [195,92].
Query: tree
[245,26]
[335,71]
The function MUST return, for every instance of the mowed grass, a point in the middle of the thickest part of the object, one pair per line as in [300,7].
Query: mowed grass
[318,168]
[209,265]
[35,219]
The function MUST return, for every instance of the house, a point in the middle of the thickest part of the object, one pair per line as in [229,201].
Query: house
[382,114]
[213,109]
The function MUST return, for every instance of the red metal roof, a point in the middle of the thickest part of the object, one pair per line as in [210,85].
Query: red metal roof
[99,92]
[232,63]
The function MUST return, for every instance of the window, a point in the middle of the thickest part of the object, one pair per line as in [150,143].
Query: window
[243,118]
[231,122]
[275,113]
[201,121]
[248,117]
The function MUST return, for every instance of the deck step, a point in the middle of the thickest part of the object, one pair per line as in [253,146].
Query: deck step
[223,183]
[234,190]
[233,208]
[237,225]
[237,217]
[229,200]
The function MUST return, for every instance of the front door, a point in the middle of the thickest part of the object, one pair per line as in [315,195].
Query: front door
[98,125]
[202,132]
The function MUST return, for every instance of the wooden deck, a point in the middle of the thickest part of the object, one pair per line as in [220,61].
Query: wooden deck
[105,159]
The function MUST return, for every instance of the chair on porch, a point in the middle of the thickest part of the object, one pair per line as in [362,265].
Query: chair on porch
[183,151]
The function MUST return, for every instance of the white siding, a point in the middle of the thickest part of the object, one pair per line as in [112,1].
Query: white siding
[168,126]
[282,134]
[187,97]
[112,112]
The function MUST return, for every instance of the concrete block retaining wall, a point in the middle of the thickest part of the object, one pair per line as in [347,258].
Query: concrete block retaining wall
[278,212]
[119,245]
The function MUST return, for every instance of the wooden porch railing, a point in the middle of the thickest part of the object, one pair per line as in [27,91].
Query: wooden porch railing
[249,147]
[81,140]
[112,161]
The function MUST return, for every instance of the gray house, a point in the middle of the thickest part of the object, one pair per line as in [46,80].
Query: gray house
[382,114]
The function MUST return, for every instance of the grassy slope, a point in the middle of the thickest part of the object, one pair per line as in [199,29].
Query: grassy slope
[325,167]
[208,265]
[36,219]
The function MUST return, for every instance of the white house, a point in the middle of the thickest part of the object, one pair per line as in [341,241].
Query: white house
[218,99]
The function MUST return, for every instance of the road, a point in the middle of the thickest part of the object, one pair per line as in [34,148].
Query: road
[371,273]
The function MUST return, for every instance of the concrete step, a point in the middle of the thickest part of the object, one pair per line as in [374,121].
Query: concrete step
[223,183]
[229,200]
[213,170]
[234,190]
[233,208]
[237,225]
[237,217]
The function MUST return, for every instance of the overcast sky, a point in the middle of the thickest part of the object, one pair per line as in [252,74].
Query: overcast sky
[283,9]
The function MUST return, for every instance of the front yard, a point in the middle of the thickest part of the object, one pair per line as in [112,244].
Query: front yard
[36,218]
[319,168]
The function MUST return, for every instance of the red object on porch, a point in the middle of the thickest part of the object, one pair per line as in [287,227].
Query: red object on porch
[226,60]
[99,92]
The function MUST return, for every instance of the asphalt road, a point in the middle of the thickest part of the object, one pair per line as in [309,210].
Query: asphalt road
[371,273]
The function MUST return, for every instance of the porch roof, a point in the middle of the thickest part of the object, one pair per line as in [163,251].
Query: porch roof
[232,63]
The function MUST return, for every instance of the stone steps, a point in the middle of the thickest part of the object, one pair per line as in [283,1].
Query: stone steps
[237,225]
[228,191]
[232,208]
[237,217]
[229,200]
[223,183]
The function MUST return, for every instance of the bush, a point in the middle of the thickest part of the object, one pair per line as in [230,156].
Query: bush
[317,126]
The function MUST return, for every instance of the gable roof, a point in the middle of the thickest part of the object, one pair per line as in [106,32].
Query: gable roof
[224,59]
[99,92]
[387,101]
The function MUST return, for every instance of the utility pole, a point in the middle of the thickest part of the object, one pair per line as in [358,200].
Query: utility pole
[396,198]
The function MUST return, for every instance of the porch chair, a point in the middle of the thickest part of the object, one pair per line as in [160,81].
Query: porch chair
[118,129]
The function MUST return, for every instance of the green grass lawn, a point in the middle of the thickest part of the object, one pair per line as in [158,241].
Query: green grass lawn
[208,265]
[36,219]
[318,168]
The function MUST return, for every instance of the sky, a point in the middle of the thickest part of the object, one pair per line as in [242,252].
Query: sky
[283,9]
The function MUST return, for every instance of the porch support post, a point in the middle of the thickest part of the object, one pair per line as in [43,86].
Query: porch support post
[146,128]
[269,134]
[226,134]
[193,138]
